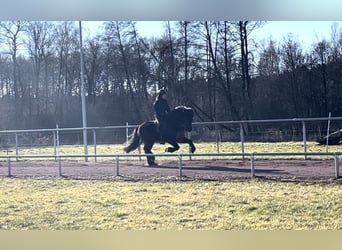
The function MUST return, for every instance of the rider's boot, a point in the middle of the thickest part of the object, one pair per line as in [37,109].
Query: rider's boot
[161,135]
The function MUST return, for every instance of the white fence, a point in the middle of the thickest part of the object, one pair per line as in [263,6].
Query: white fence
[239,131]
[179,157]
[218,132]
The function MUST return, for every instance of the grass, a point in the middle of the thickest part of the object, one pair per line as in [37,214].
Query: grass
[86,204]
[225,147]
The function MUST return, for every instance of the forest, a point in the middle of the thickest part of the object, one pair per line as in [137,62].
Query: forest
[215,67]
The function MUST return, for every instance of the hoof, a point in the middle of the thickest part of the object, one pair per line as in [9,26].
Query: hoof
[170,150]
[152,165]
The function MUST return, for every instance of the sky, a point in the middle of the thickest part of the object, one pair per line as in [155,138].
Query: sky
[145,28]
[306,32]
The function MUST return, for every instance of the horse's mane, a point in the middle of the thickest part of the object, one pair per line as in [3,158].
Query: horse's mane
[181,110]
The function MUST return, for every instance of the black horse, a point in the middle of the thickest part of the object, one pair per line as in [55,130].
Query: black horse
[179,121]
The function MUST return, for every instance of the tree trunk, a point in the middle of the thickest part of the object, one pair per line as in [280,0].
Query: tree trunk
[128,78]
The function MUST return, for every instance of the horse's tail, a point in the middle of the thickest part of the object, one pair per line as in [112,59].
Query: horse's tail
[134,142]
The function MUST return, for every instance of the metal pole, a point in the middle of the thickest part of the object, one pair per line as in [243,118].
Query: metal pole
[328,131]
[16,146]
[57,155]
[117,166]
[337,166]
[304,140]
[180,165]
[217,140]
[127,135]
[252,166]
[139,151]
[54,145]
[242,139]
[57,141]
[94,138]
[59,166]
[9,166]
[188,135]
[84,113]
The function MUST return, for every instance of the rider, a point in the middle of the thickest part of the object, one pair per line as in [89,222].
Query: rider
[162,109]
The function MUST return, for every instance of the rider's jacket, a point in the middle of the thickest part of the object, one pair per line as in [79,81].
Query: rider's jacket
[162,108]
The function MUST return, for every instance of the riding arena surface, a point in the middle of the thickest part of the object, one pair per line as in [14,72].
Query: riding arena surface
[204,169]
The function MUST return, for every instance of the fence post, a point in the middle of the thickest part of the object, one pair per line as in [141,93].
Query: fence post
[16,146]
[217,140]
[85,144]
[337,165]
[139,151]
[188,135]
[242,139]
[94,139]
[304,140]
[59,166]
[9,166]
[328,132]
[54,145]
[57,141]
[127,135]
[117,173]
[252,166]
[180,165]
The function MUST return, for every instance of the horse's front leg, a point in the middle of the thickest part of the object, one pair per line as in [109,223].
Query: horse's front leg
[188,141]
[148,150]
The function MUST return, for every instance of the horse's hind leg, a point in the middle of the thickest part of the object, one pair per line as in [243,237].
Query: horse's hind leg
[188,141]
[148,150]
[174,147]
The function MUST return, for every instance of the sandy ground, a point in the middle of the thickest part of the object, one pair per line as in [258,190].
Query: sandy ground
[220,169]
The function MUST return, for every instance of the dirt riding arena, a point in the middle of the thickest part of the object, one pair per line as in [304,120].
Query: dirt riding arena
[220,169]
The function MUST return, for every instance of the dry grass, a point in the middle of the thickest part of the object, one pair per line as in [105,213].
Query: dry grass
[226,147]
[76,204]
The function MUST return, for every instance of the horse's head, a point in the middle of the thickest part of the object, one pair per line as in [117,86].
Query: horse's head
[184,116]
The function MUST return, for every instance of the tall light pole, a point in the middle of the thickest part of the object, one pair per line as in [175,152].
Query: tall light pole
[84,113]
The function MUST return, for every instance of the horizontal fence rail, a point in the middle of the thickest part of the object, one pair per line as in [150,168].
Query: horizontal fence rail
[116,158]
[54,136]
[17,139]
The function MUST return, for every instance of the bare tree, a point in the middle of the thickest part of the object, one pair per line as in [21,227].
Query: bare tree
[269,60]
[66,44]
[221,52]
[11,31]
[292,59]
[321,53]
[39,42]
[228,53]
[141,69]
[245,70]
[118,31]
[93,70]
[184,27]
